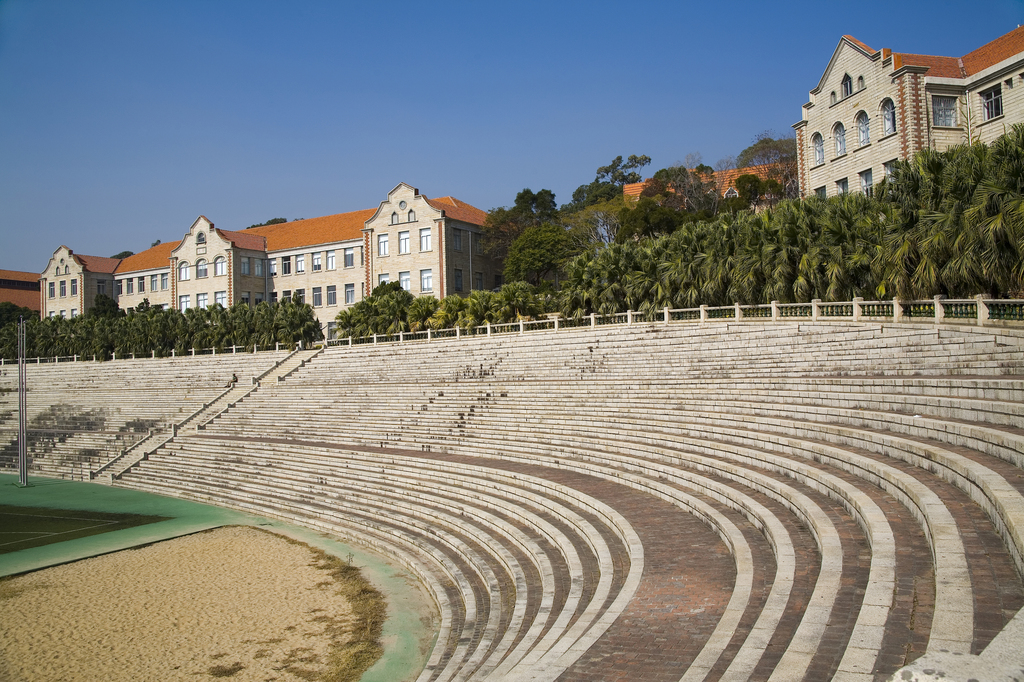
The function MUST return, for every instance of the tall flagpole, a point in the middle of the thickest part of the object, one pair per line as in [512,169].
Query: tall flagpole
[22,418]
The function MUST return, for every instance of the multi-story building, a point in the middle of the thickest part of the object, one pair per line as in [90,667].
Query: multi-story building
[70,283]
[431,246]
[20,288]
[873,107]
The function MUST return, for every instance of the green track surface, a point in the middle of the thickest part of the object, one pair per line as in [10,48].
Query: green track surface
[407,637]
[28,527]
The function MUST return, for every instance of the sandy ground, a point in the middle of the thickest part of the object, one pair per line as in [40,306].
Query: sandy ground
[185,609]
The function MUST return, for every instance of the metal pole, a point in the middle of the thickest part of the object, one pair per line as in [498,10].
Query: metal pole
[22,420]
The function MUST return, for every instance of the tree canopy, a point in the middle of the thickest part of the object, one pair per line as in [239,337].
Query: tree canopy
[272,221]
[123,254]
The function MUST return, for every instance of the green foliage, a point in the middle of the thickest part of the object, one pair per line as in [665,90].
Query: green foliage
[10,313]
[150,330]
[767,150]
[608,183]
[123,254]
[538,252]
[106,307]
[272,221]
[505,225]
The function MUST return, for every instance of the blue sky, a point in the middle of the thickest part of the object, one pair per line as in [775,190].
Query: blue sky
[121,122]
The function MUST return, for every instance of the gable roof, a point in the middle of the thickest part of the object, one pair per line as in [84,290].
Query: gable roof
[98,263]
[154,257]
[943,67]
[244,240]
[990,54]
[327,229]
[458,210]
[20,276]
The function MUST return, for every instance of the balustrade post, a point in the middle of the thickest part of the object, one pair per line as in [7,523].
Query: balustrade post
[775,311]
[629,317]
[897,310]
[375,339]
[488,324]
[401,336]
[857,308]
[214,350]
[703,313]
[429,337]
[556,323]
[814,309]
[940,311]
[739,311]
[983,311]
[173,351]
[458,332]
[113,356]
[666,314]
[593,320]
[349,339]
[522,327]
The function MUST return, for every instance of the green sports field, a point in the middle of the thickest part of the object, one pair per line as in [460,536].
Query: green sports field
[26,527]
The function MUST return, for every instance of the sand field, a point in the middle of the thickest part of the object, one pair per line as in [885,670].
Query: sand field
[235,603]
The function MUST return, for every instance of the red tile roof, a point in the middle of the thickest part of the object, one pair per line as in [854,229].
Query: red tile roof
[459,210]
[20,276]
[943,67]
[324,230]
[724,179]
[98,263]
[860,44]
[992,53]
[155,257]
[245,240]
[25,298]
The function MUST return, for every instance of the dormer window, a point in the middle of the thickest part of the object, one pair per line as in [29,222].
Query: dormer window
[832,97]
[860,83]
[847,86]
[200,238]
[394,218]
[412,216]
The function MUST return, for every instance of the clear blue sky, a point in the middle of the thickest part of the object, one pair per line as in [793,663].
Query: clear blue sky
[120,122]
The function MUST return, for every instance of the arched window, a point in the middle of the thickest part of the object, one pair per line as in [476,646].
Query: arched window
[819,149]
[833,97]
[66,270]
[201,268]
[220,266]
[839,133]
[57,271]
[412,216]
[860,83]
[847,86]
[200,238]
[182,271]
[888,117]
[394,218]
[863,129]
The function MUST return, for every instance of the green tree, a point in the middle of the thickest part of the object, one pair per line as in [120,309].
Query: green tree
[504,226]
[608,183]
[272,221]
[123,254]
[777,153]
[538,253]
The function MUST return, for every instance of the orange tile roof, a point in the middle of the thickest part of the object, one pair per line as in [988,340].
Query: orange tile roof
[324,230]
[25,298]
[244,239]
[20,276]
[992,53]
[98,263]
[860,44]
[154,257]
[724,179]
[943,67]
[459,210]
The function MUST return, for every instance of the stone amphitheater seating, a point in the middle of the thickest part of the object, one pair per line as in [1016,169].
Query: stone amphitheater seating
[80,414]
[732,501]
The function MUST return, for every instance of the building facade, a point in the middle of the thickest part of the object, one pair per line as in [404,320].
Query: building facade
[874,107]
[20,289]
[70,283]
[431,246]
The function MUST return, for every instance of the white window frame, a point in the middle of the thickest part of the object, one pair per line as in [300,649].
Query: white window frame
[153,282]
[818,142]
[332,294]
[183,302]
[425,239]
[427,280]
[74,287]
[330,260]
[405,280]
[286,265]
[220,266]
[992,102]
[317,262]
[403,242]
[350,294]
[221,298]
[863,129]
[300,263]
[202,269]
[202,300]
[866,182]
[350,257]
[244,265]
[944,111]
[888,117]
[257,267]
[382,245]
[839,133]
[383,278]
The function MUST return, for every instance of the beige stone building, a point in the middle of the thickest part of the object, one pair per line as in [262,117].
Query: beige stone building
[70,283]
[431,246]
[873,107]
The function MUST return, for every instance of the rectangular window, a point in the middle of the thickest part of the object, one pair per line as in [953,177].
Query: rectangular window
[821,192]
[64,288]
[245,297]
[403,242]
[272,267]
[317,266]
[332,295]
[53,289]
[286,265]
[202,300]
[498,281]
[457,280]
[142,285]
[943,111]
[865,182]
[74,312]
[101,287]
[244,263]
[330,260]
[164,280]
[74,287]
[478,280]
[405,280]
[842,186]
[257,266]
[382,245]
[350,258]
[332,330]
[119,285]
[317,297]
[221,298]
[889,167]
[273,297]
[286,295]
[129,283]
[63,314]
[425,239]
[300,263]
[478,247]
[183,302]
[426,280]
[457,239]
[383,278]
[257,298]
[350,294]
[992,102]
[299,296]
[153,282]
[220,267]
